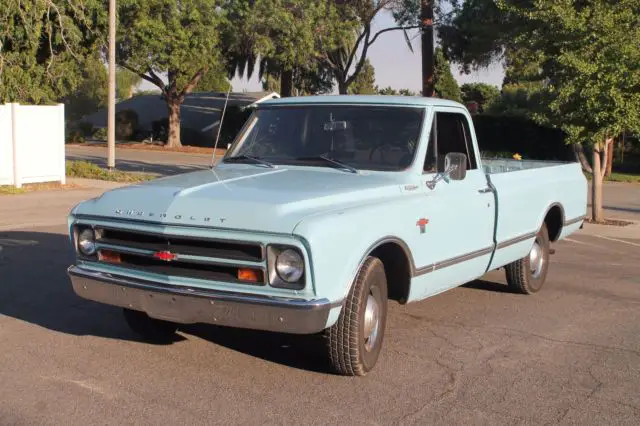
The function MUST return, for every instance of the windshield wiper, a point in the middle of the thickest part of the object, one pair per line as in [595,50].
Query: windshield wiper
[330,160]
[247,157]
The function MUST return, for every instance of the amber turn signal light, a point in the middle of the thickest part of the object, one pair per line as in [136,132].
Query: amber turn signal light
[109,256]
[250,275]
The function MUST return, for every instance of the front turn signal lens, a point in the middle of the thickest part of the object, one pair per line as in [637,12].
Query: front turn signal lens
[250,275]
[109,256]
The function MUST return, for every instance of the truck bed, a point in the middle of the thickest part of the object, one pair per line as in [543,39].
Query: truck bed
[506,165]
[525,192]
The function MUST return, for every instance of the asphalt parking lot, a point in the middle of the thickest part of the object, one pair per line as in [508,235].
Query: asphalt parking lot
[474,355]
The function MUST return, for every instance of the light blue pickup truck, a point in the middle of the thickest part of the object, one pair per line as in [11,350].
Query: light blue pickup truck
[322,210]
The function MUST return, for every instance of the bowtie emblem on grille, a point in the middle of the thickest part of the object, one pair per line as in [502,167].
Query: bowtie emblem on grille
[166,256]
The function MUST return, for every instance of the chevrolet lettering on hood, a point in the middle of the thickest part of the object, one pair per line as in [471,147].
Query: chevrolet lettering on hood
[139,213]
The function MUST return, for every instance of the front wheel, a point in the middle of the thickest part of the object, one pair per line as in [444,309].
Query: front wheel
[355,340]
[527,275]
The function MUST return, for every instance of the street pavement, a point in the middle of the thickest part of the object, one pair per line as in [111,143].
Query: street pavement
[473,355]
[136,160]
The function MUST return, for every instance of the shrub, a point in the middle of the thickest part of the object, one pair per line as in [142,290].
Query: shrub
[100,134]
[126,124]
[502,134]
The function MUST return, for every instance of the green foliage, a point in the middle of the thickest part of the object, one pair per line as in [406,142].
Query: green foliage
[446,86]
[591,61]
[162,36]
[44,46]
[91,93]
[393,92]
[284,34]
[310,80]
[478,32]
[87,170]
[481,93]
[215,80]
[126,82]
[364,83]
[516,100]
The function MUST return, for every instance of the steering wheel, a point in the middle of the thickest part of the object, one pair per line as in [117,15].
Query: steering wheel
[385,146]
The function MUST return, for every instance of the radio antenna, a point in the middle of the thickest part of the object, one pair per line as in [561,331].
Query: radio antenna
[215,147]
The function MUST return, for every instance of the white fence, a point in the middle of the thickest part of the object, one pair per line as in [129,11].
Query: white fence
[31,144]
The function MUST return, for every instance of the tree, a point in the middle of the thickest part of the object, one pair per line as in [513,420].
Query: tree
[364,83]
[311,80]
[393,92]
[45,47]
[90,93]
[481,93]
[445,85]
[215,80]
[282,37]
[126,82]
[356,18]
[164,36]
[591,63]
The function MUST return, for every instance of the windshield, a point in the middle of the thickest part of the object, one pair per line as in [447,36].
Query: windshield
[357,137]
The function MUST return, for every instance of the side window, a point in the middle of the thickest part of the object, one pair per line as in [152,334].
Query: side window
[452,134]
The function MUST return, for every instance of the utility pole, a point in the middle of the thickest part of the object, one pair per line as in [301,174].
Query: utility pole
[426,18]
[111,121]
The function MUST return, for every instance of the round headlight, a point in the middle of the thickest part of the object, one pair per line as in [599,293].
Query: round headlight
[290,266]
[86,242]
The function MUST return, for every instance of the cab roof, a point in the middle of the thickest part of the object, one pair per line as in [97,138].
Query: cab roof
[362,100]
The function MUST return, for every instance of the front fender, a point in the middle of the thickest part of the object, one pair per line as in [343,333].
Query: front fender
[339,241]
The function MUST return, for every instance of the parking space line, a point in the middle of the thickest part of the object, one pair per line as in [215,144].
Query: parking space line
[617,240]
[571,240]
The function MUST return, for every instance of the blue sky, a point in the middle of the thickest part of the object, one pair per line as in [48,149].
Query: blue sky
[394,64]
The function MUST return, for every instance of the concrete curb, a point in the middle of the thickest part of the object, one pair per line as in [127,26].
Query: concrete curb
[629,232]
[97,183]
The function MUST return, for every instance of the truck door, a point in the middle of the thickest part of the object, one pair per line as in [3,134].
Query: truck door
[457,240]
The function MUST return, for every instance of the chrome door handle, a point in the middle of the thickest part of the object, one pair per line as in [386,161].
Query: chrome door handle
[484,190]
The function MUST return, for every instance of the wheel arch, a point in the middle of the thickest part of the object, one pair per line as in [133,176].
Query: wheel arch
[554,218]
[398,263]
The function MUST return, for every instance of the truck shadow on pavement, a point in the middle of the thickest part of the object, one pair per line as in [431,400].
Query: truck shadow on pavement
[35,288]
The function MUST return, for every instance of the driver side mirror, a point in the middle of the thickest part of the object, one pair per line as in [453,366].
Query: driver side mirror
[455,165]
[455,168]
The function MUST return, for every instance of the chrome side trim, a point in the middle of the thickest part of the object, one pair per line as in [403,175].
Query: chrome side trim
[465,257]
[450,262]
[576,220]
[516,240]
[189,305]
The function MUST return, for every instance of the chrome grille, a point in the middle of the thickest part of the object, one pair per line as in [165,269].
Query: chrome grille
[188,257]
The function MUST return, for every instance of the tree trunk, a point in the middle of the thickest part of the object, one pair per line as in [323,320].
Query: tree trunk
[578,150]
[343,88]
[426,17]
[596,188]
[173,140]
[286,83]
[610,159]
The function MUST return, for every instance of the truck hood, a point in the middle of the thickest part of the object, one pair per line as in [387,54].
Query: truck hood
[243,197]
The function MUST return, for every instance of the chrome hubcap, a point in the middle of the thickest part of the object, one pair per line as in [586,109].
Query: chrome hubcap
[371,322]
[536,260]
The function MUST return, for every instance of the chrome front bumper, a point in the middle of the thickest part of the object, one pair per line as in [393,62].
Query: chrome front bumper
[189,305]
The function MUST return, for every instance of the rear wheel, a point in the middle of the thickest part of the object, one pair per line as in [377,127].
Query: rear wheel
[527,275]
[355,340]
[150,329]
